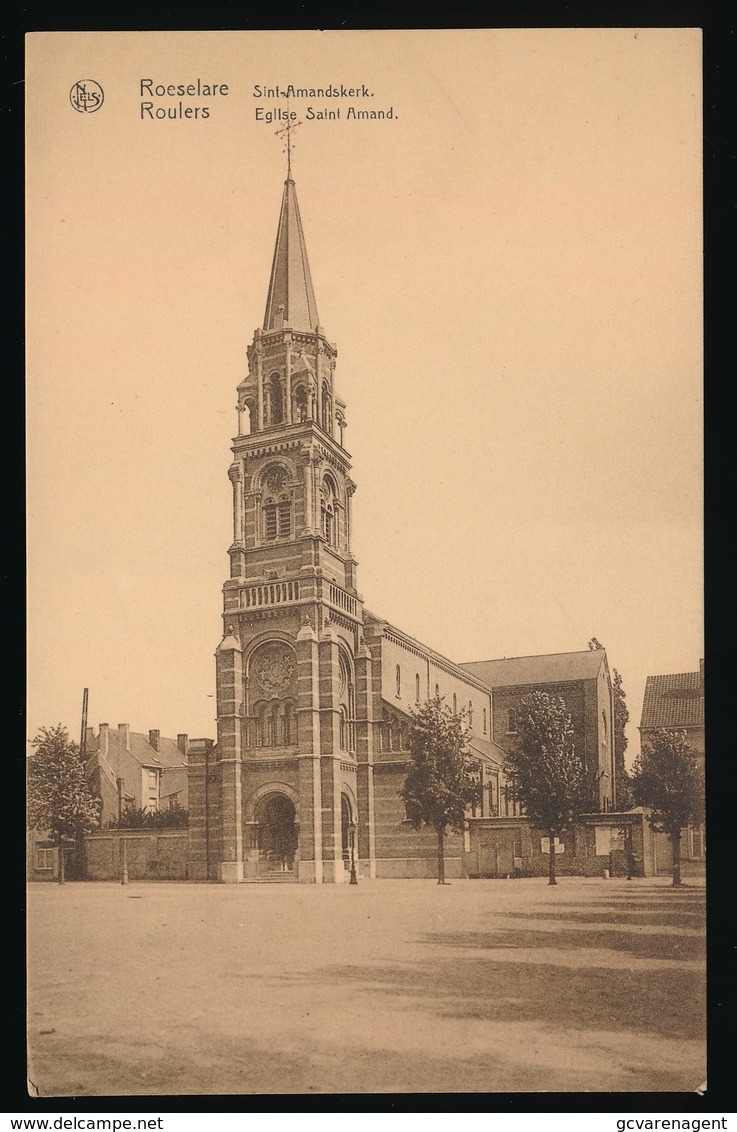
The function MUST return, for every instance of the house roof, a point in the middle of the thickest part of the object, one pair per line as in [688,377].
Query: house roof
[168,754]
[552,668]
[675,700]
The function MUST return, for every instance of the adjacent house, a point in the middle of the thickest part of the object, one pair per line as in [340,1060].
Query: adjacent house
[676,702]
[131,770]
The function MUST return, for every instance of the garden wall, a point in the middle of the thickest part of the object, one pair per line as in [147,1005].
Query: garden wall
[501,847]
[150,854]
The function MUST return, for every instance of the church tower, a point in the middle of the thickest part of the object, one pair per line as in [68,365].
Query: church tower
[287,793]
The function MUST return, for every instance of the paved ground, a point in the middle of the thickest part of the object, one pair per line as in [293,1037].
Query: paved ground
[391,986]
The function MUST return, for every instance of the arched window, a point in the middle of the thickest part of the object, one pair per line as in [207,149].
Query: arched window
[284,518]
[275,400]
[276,507]
[437,691]
[273,726]
[470,713]
[325,408]
[484,721]
[289,734]
[299,403]
[347,703]
[417,688]
[271,688]
[265,726]
[328,511]
[328,524]
[277,518]
[398,678]
[512,722]
[604,724]
[455,704]
[246,418]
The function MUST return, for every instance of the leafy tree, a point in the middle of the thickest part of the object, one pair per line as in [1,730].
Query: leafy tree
[174,818]
[622,784]
[59,798]
[439,785]
[668,780]
[543,770]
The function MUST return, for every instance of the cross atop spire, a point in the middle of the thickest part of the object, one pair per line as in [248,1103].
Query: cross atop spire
[287,131]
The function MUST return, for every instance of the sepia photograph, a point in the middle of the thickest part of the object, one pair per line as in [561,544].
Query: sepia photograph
[365,689]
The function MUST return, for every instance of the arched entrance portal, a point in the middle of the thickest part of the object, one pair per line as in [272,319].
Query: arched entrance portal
[276,834]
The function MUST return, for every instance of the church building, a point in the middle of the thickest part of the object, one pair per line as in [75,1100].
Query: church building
[314,692]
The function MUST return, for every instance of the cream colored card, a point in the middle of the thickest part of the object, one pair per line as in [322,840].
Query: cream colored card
[504,232]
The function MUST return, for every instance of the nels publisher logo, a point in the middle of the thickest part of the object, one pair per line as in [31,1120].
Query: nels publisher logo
[86,96]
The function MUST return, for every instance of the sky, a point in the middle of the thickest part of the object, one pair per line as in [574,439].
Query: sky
[510,266]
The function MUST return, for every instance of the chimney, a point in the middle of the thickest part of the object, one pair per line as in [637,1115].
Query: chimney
[90,738]
[124,736]
[104,740]
[153,739]
[183,743]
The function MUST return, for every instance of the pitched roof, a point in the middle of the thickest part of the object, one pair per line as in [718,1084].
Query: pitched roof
[450,666]
[290,285]
[489,749]
[168,754]
[552,668]
[675,700]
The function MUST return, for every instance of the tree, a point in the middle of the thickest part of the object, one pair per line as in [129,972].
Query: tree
[668,780]
[622,784]
[59,798]
[439,785]
[543,770]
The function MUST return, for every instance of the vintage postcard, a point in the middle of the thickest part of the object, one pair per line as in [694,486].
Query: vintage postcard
[365,562]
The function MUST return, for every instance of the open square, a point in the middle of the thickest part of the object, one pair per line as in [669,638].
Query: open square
[390,986]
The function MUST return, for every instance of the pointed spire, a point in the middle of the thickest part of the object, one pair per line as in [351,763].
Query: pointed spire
[291,297]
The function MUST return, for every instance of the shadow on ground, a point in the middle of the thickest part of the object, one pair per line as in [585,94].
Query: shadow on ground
[650,945]
[690,921]
[664,898]
[668,1002]
[552,983]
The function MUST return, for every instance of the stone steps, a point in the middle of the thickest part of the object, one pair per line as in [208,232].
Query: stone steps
[272,878]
